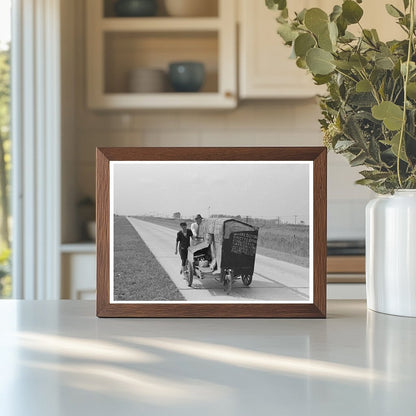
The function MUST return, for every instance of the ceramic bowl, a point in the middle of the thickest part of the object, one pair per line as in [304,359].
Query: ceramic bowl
[191,8]
[147,80]
[92,230]
[135,8]
[186,76]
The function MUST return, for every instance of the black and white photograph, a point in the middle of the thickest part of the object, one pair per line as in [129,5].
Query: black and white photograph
[211,231]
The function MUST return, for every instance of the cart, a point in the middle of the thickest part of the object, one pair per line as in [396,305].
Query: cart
[226,253]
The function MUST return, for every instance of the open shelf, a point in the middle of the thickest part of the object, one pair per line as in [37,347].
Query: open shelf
[119,45]
[167,100]
[160,24]
[126,51]
[87,247]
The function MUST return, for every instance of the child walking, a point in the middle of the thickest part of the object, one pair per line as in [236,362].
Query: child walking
[183,240]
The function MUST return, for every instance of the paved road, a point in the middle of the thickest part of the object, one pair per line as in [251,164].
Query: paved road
[272,280]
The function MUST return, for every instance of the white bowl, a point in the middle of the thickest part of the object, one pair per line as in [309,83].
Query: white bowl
[191,8]
[147,80]
[92,230]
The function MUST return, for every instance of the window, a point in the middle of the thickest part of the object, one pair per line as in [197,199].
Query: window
[5,147]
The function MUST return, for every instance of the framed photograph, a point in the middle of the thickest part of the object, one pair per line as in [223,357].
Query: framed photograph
[211,232]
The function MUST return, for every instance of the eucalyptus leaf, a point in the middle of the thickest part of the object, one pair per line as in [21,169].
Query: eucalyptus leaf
[347,37]
[301,15]
[384,62]
[342,25]
[343,145]
[303,43]
[393,11]
[411,90]
[369,36]
[388,112]
[287,33]
[336,12]
[345,65]
[351,11]
[377,75]
[325,42]
[281,19]
[411,118]
[354,132]
[374,174]
[316,20]
[394,145]
[374,150]
[412,67]
[382,89]
[321,79]
[301,63]
[276,4]
[320,61]
[333,32]
[363,86]
[405,21]
[358,61]
[375,35]
[358,160]
[365,182]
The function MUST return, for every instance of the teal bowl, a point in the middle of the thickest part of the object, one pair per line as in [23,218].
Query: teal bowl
[186,76]
[135,8]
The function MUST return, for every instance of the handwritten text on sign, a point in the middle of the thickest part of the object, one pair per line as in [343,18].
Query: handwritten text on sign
[244,243]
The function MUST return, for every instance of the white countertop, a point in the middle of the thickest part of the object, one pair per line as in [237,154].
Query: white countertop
[57,358]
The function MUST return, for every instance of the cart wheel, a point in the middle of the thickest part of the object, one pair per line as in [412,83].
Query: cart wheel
[247,279]
[189,272]
[228,281]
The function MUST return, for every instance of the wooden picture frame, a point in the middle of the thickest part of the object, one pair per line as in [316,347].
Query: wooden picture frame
[315,307]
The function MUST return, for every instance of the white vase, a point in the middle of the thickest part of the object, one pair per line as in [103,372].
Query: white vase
[391,253]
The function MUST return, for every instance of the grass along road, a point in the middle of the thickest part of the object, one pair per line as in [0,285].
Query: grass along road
[137,273]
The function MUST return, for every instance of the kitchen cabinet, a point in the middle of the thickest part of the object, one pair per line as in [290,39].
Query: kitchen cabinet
[118,45]
[78,263]
[265,70]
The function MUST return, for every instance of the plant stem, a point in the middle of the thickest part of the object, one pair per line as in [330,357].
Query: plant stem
[346,75]
[373,88]
[406,80]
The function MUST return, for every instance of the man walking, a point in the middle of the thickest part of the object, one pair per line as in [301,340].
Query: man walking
[183,240]
[200,232]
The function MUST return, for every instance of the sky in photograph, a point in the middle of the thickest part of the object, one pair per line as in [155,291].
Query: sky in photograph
[256,190]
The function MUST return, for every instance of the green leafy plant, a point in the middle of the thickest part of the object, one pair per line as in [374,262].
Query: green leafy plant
[369,112]
[5,280]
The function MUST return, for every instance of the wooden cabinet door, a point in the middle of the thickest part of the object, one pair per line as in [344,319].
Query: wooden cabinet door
[376,17]
[265,68]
